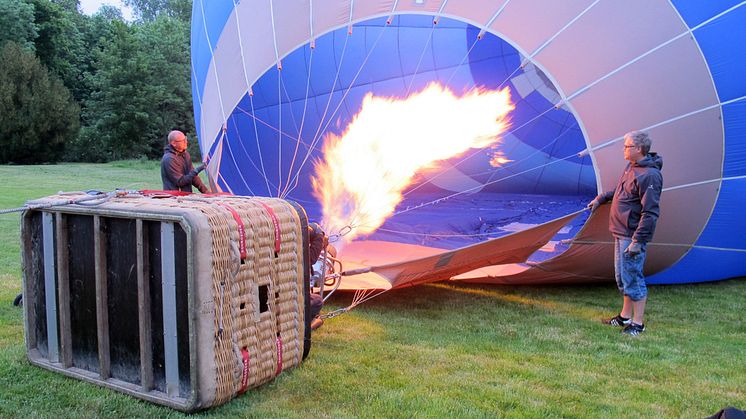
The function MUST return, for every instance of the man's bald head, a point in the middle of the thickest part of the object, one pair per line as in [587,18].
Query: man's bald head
[178,140]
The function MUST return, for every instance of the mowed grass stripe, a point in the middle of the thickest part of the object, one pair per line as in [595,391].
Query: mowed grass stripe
[442,350]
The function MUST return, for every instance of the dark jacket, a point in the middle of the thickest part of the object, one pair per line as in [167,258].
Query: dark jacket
[634,202]
[315,241]
[177,172]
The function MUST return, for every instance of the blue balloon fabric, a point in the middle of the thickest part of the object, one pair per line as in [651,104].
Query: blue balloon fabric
[271,82]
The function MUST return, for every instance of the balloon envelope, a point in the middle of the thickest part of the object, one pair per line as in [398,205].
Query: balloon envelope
[272,79]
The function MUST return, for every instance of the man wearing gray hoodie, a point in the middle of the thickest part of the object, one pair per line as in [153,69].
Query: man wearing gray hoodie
[634,214]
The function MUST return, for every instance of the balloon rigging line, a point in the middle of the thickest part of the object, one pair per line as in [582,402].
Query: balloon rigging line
[321,120]
[441,199]
[318,137]
[551,153]
[251,99]
[356,213]
[212,51]
[419,62]
[279,136]
[331,92]
[460,64]
[227,185]
[353,217]
[383,79]
[654,49]
[246,153]
[440,11]
[200,140]
[703,182]
[507,78]
[279,97]
[689,246]
[235,163]
[302,123]
[256,137]
[481,186]
[477,152]
[668,121]
[267,124]
[497,13]
[512,164]
[558,33]
[439,235]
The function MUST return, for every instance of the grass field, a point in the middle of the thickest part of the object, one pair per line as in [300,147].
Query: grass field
[430,351]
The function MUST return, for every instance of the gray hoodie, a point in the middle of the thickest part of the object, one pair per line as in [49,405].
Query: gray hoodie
[634,202]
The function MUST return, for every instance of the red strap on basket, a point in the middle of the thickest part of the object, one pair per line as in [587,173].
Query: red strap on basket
[279,355]
[276,224]
[241,229]
[245,373]
[154,193]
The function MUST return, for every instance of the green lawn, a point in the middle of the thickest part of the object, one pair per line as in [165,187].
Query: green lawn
[429,351]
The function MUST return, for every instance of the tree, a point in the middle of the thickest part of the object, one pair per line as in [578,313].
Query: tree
[17,23]
[37,113]
[60,43]
[114,113]
[140,91]
[149,10]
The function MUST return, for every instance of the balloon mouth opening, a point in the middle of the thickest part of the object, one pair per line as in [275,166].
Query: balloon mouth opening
[291,115]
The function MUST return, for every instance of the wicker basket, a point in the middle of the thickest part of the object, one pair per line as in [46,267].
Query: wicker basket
[183,301]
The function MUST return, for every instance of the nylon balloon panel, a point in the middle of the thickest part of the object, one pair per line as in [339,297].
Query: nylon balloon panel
[696,12]
[702,265]
[734,120]
[722,45]
[608,36]
[545,19]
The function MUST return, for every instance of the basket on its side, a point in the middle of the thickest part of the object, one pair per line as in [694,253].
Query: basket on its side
[182,301]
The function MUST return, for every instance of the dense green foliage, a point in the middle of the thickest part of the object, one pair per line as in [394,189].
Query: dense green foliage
[129,81]
[434,351]
[37,113]
[17,23]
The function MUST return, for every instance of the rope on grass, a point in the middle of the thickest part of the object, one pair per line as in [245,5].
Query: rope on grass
[92,199]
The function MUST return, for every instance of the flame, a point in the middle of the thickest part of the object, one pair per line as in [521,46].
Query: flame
[498,159]
[362,174]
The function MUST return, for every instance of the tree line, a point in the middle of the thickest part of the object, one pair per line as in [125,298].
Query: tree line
[93,88]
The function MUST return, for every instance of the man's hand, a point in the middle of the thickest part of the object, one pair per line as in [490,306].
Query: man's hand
[634,249]
[593,205]
[199,168]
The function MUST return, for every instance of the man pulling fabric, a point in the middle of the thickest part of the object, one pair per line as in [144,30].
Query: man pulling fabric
[177,171]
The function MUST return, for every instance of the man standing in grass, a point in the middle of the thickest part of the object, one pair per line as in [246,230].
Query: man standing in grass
[632,220]
[177,171]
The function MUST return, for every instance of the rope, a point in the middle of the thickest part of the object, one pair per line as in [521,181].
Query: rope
[93,199]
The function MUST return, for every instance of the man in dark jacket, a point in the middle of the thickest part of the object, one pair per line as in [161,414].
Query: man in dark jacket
[632,220]
[316,243]
[177,171]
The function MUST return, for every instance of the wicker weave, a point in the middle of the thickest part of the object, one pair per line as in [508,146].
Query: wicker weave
[236,285]
[238,323]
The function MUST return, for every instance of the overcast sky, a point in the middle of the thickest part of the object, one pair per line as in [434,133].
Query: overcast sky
[90,7]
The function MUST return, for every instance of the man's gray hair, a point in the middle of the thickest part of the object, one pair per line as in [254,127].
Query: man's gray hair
[641,139]
[175,135]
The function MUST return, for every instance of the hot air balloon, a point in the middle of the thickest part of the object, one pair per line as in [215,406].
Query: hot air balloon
[277,85]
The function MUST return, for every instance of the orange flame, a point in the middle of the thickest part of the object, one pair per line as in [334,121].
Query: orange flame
[363,173]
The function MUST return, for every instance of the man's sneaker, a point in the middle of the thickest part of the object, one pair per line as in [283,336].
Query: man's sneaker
[617,321]
[633,329]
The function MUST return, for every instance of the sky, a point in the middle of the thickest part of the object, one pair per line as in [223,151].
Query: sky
[90,7]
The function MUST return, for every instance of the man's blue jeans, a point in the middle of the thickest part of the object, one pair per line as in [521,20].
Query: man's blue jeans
[628,270]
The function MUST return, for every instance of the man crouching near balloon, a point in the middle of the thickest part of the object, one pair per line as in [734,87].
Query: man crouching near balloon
[634,214]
